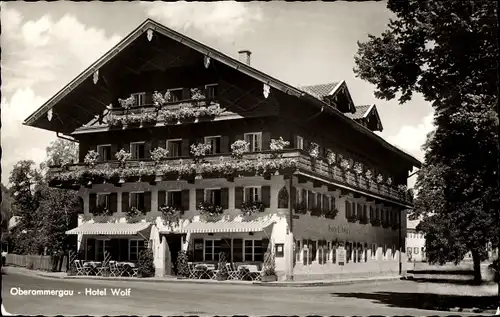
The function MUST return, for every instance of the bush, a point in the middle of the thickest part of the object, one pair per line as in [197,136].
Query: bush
[182,264]
[146,264]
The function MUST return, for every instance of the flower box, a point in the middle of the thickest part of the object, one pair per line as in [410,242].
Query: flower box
[268,278]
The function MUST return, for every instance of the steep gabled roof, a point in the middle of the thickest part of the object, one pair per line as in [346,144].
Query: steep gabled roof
[320,91]
[35,118]
[361,112]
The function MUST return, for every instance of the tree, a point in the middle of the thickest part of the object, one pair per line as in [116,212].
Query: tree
[61,151]
[447,52]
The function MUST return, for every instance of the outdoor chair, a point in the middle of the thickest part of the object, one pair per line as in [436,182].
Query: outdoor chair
[101,270]
[135,272]
[233,273]
[80,269]
[114,270]
[192,271]
[254,272]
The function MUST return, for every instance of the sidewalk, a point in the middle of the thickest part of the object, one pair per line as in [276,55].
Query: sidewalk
[313,283]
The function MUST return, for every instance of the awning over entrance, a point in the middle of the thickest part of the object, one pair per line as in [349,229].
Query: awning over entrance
[110,228]
[228,226]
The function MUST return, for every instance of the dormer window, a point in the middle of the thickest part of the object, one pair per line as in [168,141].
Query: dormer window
[140,99]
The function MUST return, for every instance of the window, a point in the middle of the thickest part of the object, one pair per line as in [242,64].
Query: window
[211,91]
[283,198]
[174,147]
[135,247]
[103,201]
[252,194]
[137,150]
[174,198]
[253,251]
[102,245]
[140,99]
[415,250]
[104,152]
[213,196]
[137,201]
[212,249]
[214,142]
[300,142]
[255,141]
[176,94]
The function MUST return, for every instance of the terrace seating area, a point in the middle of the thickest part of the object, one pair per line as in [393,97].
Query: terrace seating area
[107,267]
[243,272]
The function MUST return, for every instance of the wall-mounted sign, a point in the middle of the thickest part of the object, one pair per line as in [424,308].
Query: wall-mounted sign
[279,250]
[341,255]
[339,229]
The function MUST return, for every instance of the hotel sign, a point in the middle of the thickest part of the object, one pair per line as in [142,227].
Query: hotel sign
[341,255]
[339,229]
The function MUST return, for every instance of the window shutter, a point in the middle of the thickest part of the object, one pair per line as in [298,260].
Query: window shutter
[364,211]
[225,198]
[266,140]
[186,94]
[238,197]
[114,150]
[185,147]
[266,196]
[326,202]
[224,144]
[265,246]
[185,199]
[310,200]
[199,197]
[147,202]
[92,203]
[125,198]
[113,202]
[347,208]
[198,251]
[148,98]
[83,149]
[162,198]
[319,198]
[147,148]
[295,141]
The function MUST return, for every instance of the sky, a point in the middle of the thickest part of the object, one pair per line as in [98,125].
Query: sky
[47,44]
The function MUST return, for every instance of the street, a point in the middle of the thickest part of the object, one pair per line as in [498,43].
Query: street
[142,298]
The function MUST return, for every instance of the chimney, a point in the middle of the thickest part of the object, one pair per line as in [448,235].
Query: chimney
[245,56]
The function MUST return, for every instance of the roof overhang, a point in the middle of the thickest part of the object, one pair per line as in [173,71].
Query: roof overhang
[110,229]
[33,120]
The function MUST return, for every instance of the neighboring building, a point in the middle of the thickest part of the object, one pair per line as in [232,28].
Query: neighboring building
[301,203]
[415,242]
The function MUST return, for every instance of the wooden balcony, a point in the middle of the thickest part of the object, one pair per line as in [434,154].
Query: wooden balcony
[224,166]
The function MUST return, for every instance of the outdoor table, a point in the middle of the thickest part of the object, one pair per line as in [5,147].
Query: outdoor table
[202,270]
[92,265]
[126,268]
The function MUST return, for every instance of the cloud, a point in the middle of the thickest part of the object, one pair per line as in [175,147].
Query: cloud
[20,142]
[32,49]
[222,19]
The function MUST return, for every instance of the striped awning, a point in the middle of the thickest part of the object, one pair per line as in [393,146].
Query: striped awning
[110,228]
[228,226]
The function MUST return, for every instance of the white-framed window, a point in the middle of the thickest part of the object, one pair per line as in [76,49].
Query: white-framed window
[174,198]
[255,141]
[137,200]
[252,194]
[211,90]
[176,94]
[103,200]
[134,248]
[174,147]
[138,150]
[253,251]
[140,99]
[212,250]
[213,196]
[104,151]
[300,142]
[214,142]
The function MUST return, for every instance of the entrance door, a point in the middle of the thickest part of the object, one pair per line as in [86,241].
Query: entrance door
[174,244]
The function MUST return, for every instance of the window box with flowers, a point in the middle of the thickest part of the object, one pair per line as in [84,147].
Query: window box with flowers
[331,213]
[380,179]
[300,208]
[277,146]
[199,151]
[210,212]
[102,214]
[170,215]
[316,211]
[352,218]
[252,207]
[375,222]
[134,215]
[361,219]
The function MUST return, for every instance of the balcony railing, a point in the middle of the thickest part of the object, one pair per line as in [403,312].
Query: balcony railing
[224,166]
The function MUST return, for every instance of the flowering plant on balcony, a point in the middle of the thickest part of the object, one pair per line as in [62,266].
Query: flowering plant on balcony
[114,121]
[123,156]
[185,113]
[330,213]
[402,188]
[238,148]
[358,168]
[251,207]
[345,165]
[158,99]
[314,150]
[331,158]
[170,215]
[389,181]
[199,151]
[300,208]
[132,119]
[148,117]
[196,94]
[380,178]
[133,214]
[209,210]
[210,111]
[127,103]
[91,158]
[159,154]
[351,217]
[277,146]
[410,193]
[101,210]
[369,175]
